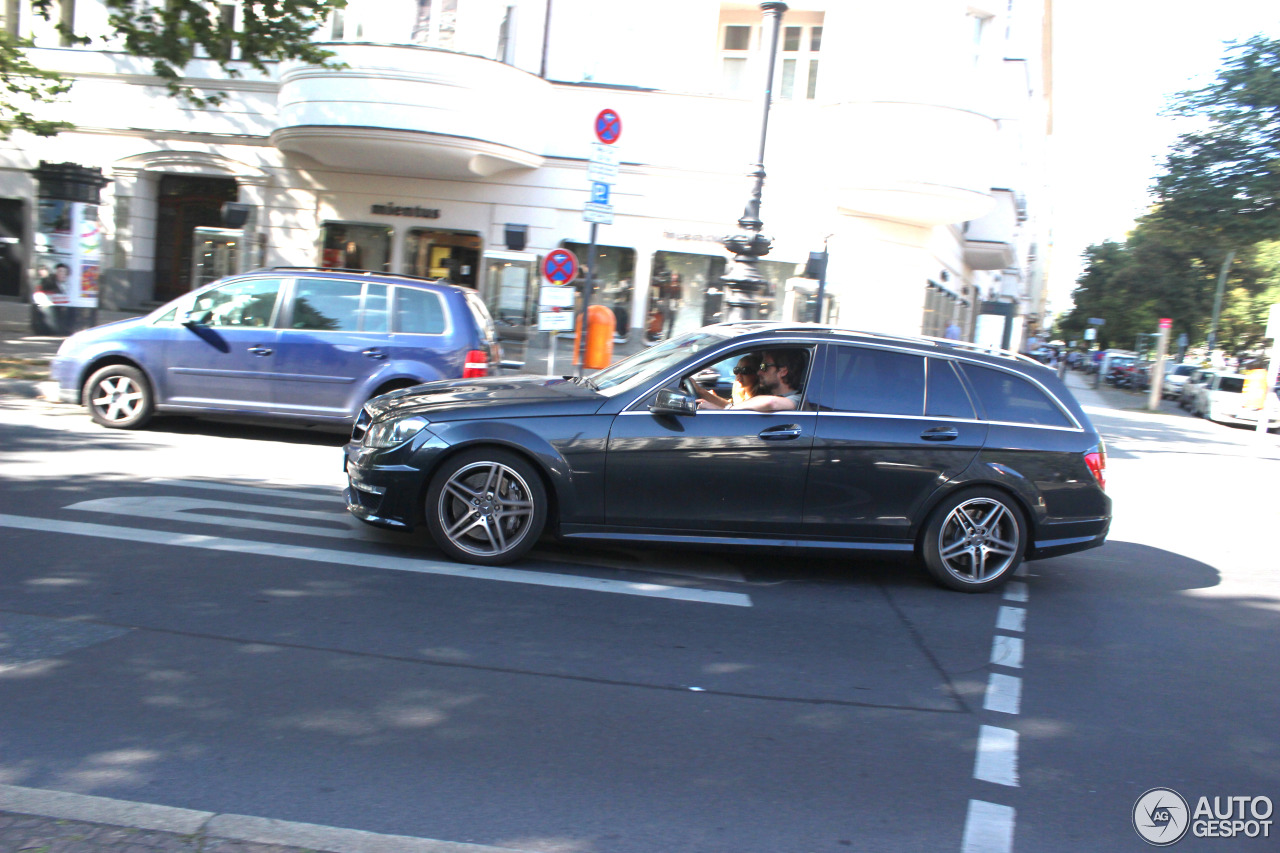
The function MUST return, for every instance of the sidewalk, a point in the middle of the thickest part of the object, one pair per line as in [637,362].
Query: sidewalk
[40,821]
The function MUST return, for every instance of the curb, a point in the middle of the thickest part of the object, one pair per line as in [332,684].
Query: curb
[61,805]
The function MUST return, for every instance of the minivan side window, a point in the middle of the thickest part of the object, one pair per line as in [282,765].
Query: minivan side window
[945,396]
[374,317]
[419,311]
[1012,399]
[326,305]
[248,302]
[875,381]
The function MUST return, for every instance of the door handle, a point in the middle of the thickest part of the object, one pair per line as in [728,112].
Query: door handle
[375,353]
[258,350]
[940,434]
[781,433]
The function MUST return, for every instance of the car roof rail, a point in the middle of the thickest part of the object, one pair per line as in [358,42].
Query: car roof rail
[988,349]
[359,272]
[784,328]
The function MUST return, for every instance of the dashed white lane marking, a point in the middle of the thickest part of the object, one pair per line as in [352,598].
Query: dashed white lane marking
[1007,651]
[1004,693]
[373,561]
[1011,619]
[1015,591]
[204,511]
[997,756]
[988,828]
[333,495]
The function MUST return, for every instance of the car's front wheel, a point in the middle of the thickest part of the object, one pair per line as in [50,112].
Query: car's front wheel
[486,506]
[119,396]
[974,540]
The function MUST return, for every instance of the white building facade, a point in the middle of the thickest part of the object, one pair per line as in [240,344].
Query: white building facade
[905,138]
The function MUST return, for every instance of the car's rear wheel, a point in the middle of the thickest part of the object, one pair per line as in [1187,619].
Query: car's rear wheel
[486,506]
[974,541]
[119,396]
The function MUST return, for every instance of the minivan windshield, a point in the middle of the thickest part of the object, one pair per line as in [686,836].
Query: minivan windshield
[637,369]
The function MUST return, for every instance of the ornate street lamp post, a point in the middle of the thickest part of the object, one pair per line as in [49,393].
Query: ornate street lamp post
[742,279]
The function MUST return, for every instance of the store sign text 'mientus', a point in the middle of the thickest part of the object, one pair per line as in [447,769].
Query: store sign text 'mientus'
[403,210]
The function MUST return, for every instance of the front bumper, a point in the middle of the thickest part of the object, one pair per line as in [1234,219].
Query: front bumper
[385,486]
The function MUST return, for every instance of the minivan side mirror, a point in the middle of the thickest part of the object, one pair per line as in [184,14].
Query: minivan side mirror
[670,402]
[194,318]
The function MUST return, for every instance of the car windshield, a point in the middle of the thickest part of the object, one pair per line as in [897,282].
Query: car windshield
[643,366]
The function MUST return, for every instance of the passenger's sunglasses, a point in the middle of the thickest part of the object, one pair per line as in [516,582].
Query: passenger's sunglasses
[738,371]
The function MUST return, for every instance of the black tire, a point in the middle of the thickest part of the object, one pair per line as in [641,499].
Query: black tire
[118,396]
[486,506]
[975,540]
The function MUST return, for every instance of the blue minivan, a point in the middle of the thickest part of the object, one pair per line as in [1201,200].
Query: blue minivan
[308,346]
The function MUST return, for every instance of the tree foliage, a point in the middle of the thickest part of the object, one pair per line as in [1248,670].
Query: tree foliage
[1219,191]
[172,34]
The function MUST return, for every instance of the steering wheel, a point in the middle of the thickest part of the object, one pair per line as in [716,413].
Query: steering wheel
[688,386]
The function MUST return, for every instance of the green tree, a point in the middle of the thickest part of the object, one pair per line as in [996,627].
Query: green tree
[170,33]
[1225,177]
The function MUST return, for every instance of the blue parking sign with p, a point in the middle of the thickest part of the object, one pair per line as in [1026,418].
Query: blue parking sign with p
[599,193]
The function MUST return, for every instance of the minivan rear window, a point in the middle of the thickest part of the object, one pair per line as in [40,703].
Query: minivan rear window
[1231,384]
[1012,399]
[419,311]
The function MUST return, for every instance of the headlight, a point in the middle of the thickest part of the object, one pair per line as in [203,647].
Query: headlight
[394,431]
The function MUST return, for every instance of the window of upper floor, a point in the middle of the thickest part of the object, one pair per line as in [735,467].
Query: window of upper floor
[744,56]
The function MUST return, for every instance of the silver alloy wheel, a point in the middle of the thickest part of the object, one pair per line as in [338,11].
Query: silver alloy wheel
[979,540]
[485,509]
[117,398]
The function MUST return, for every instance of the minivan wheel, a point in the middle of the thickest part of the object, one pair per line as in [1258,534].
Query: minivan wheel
[118,396]
[974,540]
[486,506]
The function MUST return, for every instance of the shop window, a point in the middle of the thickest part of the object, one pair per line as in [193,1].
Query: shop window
[452,255]
[615,274]
[352,246]
[684,294]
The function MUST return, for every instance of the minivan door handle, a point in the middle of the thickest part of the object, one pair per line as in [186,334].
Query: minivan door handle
[940,434]
[260,350]
[374,353]
[786,432]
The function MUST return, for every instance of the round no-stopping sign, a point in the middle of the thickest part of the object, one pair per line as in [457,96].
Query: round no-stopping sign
[560,266]
[608,127]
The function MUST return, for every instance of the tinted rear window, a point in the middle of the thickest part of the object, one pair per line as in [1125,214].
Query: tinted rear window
[419,311]
[946,397]
[1231,384]
[876,381]
[1010,398]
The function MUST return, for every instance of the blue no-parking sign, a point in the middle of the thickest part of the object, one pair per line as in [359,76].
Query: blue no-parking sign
[560,266]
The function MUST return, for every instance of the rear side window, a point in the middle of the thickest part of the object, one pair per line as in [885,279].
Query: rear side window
[874,381]
[419,311]
[946,397]
[1010,398]
[484,321]
[327,305]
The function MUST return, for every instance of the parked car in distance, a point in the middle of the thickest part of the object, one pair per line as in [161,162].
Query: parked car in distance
[306,346]
[1175,375]
[1190,390]
[965,459]
[1222,401]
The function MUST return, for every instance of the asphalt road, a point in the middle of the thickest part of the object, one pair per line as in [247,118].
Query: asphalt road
[189,618]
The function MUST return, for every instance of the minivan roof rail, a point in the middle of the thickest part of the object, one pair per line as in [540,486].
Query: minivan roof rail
[358,272]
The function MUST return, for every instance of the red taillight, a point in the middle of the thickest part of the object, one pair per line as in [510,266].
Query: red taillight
[1096,459]
[476,364]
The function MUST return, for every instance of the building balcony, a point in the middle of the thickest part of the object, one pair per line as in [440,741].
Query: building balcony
[413,111]
[921,164]
[989,241]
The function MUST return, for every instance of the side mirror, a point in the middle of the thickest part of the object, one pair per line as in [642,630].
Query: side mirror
[195,318]
[673,403]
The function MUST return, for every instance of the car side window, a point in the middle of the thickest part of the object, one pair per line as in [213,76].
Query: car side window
[326,305]
[419,311]
[945,396]
[238,303]
[883,382]
[1010,398]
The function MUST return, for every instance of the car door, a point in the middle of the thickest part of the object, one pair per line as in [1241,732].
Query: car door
[717,471]
[224,355]
[892,427]
[333,341]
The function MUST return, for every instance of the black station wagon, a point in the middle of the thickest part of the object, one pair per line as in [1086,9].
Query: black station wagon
[968,459]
